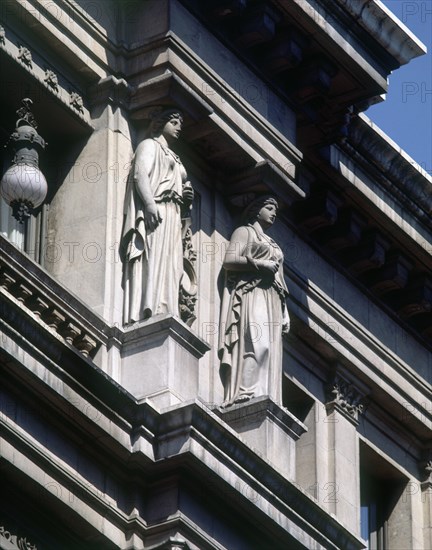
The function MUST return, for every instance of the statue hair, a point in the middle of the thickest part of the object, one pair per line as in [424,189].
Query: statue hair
[161,118]
[250,214]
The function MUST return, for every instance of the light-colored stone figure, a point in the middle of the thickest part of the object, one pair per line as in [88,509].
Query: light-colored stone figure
[253,314]
[152,248]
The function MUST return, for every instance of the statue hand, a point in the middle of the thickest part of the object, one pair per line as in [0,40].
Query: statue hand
[188,192]
[268,265]
[152,217]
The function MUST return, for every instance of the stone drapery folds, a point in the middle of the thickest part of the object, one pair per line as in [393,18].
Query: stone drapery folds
[157,204]
[253,313]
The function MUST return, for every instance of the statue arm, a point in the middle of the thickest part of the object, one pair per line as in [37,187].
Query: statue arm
[235,258]
[238,258]
[145,158]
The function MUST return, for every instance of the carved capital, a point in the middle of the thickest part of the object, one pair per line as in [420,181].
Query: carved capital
[345,397]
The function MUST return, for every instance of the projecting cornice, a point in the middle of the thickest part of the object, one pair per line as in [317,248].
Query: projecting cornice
[385,28]
[377,148]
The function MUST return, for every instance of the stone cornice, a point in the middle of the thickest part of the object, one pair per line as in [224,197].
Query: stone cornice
[377,148]
[64,22]
[385,28]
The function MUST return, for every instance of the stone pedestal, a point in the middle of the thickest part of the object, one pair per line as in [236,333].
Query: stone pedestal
[269,429]
[160,360]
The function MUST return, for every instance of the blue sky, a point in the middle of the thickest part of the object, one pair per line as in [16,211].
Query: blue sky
[406,114]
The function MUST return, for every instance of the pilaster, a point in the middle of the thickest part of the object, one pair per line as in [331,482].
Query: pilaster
[343,407]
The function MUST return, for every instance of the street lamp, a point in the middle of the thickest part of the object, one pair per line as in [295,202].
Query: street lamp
[23,185]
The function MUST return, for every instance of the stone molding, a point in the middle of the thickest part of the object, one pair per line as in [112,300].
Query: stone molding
[54,84]
[130,429]
[401,44]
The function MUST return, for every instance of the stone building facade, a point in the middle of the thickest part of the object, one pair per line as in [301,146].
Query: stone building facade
[113,435]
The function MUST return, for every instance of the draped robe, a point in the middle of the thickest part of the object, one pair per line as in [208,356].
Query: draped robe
[153,261]
[252,314]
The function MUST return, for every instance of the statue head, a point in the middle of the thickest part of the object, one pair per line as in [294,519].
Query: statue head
[160,118]
[252,212]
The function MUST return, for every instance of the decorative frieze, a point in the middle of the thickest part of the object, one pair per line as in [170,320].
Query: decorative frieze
[45,78]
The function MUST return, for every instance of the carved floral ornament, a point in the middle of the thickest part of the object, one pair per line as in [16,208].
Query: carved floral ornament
[76,101]
[51,79]
[25,56]
[8,541]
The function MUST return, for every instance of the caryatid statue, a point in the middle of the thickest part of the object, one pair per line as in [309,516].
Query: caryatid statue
[157,197]
[254,314]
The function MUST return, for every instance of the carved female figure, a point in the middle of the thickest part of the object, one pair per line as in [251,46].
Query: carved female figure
[151,245]
[253,314]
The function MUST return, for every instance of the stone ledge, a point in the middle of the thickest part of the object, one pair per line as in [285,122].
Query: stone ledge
[184,435]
